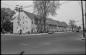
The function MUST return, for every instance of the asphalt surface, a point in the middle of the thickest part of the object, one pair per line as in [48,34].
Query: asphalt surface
[58,43]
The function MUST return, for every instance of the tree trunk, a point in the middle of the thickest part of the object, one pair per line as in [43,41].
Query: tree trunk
[44,25]
[44,17]
[40,26]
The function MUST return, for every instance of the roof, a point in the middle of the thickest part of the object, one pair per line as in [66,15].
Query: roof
[55,22]
[63,24]
[31,15]
[51,21]
[48,20]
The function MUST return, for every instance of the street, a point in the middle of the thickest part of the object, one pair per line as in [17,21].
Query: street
[57,43]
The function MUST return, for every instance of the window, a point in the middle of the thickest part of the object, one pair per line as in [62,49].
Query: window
[23,28]
[17,27]
[23,22]
[23,16]
[26,27]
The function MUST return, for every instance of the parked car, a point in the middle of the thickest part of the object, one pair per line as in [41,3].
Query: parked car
[77,31]
[51,32]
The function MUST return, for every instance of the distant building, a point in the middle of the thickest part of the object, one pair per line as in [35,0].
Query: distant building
[54,25]
[51,24]
[62,26]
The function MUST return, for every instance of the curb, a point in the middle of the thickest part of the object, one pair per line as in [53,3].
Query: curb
[25,34]
[30,34]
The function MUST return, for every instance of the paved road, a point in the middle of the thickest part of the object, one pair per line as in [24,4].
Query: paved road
[58,43]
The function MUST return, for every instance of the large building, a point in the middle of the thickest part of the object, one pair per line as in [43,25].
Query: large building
[24,22]
[56,25]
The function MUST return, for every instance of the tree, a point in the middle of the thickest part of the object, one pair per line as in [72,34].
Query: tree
[6,16]
[79,27]
[43,8]
[72,24]
[8,27]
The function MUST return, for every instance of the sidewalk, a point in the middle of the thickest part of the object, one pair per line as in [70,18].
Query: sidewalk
[21,36]
[25,34]
[30,34]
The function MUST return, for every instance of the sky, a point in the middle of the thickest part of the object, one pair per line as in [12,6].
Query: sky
[68,10]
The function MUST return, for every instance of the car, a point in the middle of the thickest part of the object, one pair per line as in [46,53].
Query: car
[50,32]
[77,30]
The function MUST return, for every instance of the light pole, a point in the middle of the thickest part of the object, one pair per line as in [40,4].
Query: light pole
[82,18]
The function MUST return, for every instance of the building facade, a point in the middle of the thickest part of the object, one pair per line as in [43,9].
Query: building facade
[24,22]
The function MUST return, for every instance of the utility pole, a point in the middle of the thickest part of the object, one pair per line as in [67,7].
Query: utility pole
[82,18]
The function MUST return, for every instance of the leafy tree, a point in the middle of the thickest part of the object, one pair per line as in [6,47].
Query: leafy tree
[8,26]
[72,24]
[79,27]
[6,16]
[43,8]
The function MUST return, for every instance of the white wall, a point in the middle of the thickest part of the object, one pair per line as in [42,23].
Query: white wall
[26,23]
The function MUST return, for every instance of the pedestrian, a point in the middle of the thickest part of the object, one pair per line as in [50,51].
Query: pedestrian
[20,32]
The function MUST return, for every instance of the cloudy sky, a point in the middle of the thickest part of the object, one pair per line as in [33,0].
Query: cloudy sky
[68,10]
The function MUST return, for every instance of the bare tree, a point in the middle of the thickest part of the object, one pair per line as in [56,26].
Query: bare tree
[43,8]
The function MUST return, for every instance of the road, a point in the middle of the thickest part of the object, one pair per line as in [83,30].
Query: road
[57,43]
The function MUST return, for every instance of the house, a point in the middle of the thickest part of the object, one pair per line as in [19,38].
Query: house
[62,26]
[56,26]
[51,25]
[24,22]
